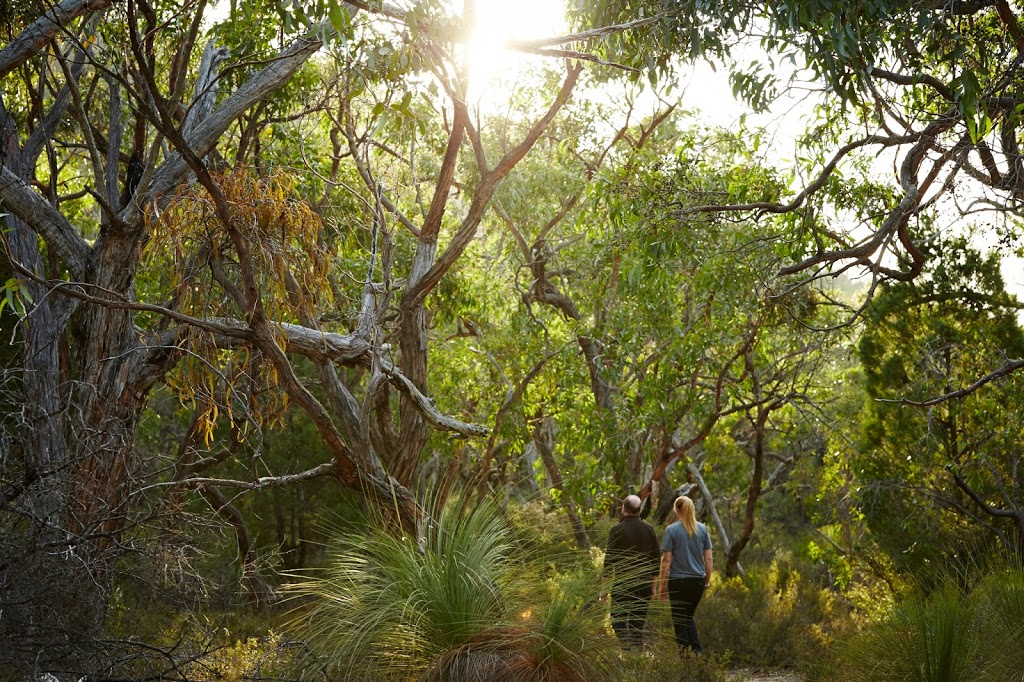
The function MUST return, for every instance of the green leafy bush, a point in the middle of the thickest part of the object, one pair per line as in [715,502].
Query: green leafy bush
[770,617]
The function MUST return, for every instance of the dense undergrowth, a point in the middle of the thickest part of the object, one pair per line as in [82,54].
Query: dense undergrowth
[492,594]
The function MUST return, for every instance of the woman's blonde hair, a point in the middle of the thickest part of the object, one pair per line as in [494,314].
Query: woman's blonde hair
[687,514]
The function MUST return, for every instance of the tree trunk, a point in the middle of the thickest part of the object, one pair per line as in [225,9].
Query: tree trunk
[44,442]
[715,518]
[753,493]
[543,437]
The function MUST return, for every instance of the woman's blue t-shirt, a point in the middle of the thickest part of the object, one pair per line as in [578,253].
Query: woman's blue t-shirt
[687,551]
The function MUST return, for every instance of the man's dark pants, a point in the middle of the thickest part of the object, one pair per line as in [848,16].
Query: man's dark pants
[629,612]
[685,594]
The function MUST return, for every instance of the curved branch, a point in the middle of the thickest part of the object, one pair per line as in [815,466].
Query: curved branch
[897,218]
[419,289]
[982,504]
[826,172]
[353,349]
[1009,367]
[533,45]
[43,29]
[915,79]
[262,483]
[46,221]
[317,345]
[426,407]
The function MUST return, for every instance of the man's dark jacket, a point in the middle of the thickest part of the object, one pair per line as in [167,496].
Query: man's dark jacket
[632,549]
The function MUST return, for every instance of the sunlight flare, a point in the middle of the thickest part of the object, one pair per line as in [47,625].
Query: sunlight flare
[497,22]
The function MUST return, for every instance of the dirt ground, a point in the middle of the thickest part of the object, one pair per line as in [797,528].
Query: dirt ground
[755,675]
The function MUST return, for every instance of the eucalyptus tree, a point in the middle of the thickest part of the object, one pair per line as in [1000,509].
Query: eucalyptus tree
[934,86]
[661,319]
[155,239]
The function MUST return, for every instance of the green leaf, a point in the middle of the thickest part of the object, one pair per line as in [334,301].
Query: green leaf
[338,16]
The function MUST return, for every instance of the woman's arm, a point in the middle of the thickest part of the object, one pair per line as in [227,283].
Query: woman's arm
[707,567]
[666,561]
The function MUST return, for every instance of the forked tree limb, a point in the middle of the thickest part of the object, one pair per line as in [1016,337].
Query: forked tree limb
[60,235]
[419,289]
[347,349]
[261,483]
[534,45]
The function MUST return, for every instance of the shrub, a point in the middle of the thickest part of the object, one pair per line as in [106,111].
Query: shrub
[664,663]
[958,631]
[926,639]
[1000,614]
[462,603]
[545,532]
[770,617]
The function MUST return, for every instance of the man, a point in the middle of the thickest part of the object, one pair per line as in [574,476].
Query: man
[631,563]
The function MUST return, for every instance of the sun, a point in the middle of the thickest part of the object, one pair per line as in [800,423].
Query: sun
[497,22]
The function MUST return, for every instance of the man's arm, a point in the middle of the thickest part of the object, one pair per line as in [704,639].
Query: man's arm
[707,567]
[612,553]
[652,557]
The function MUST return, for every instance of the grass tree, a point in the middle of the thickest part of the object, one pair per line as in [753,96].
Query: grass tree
[465,602]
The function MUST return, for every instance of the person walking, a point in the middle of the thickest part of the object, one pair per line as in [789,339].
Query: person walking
[631,564]
[685,571]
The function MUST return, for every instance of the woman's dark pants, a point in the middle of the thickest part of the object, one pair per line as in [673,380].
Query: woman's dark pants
[685,594]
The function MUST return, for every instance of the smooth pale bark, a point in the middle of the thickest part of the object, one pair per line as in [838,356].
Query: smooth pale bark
[694,472]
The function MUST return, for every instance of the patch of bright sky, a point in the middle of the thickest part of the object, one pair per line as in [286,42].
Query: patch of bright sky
[493,68]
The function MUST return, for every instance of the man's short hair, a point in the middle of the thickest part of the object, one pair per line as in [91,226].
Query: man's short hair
[631,505]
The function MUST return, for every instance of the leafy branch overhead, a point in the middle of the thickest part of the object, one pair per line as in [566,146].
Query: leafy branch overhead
[936,84]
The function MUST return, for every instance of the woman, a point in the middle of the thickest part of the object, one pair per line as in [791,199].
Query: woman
[685,570]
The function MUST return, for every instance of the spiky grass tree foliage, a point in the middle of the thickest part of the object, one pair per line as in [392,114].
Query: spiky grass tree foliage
[1000,598]
[458,605]
[949,635]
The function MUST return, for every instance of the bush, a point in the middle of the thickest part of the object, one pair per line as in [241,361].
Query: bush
[465,602]
[958,631]
[664,663]
[1000,614]
[928,639]
[770,617]
[546,534]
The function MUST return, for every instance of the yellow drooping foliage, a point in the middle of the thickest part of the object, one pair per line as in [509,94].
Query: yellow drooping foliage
[201,271]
